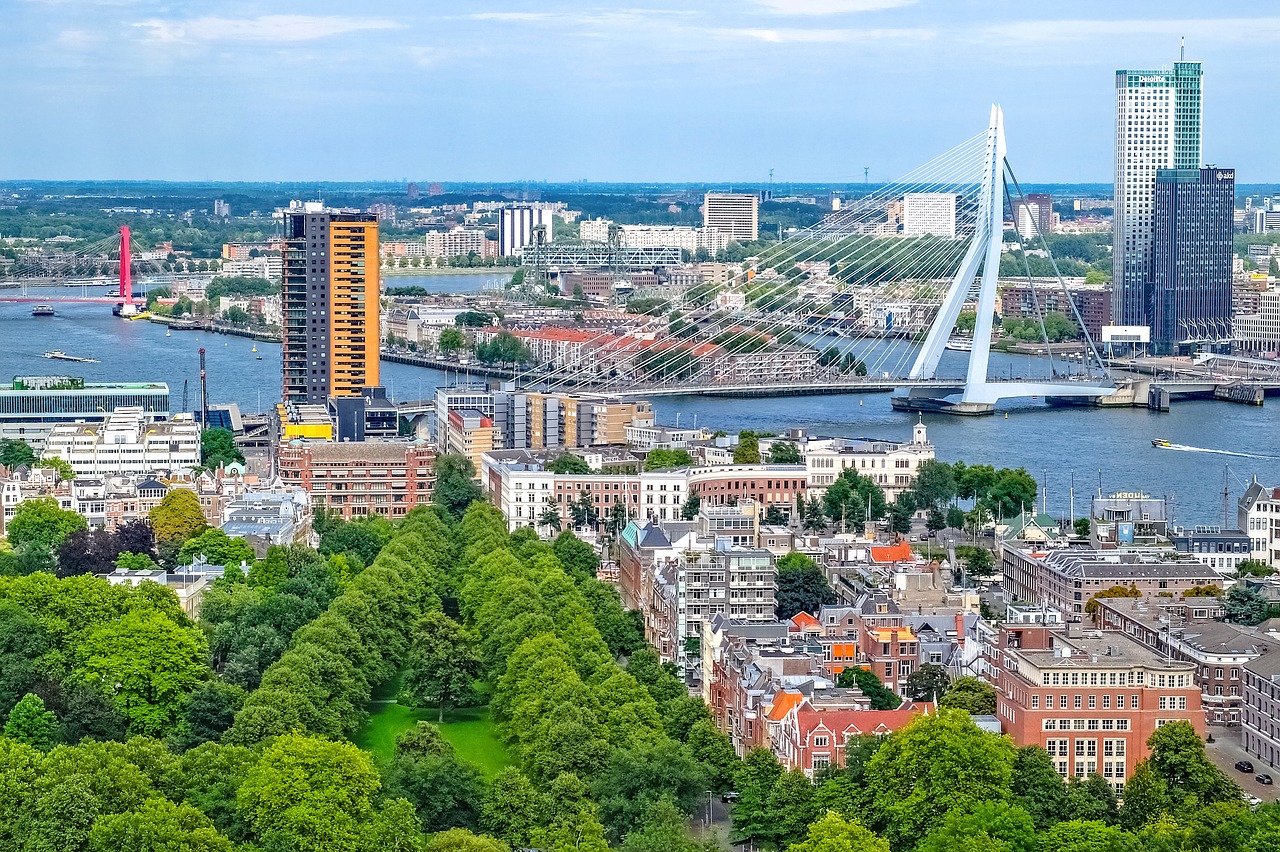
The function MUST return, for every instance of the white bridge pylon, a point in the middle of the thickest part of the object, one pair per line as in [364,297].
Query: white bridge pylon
[978,394]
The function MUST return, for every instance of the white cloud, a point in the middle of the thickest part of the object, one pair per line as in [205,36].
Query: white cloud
[1246,30]
[269,28]
[824,36]
[830,7]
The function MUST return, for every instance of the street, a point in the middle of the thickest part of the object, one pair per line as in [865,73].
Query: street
[1225,750]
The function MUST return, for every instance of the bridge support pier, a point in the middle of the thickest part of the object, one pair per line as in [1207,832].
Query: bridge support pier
[936,405]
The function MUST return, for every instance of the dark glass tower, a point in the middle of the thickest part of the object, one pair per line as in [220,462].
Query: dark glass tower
[1189,287]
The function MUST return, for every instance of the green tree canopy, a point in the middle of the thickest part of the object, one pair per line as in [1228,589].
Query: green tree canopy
[218,548]
[177,517]
[218,447]
[663,459]
[40,523]
[456,488]
[29,722]
[566,463]
[442,665]
[971,694]
[864,679]
[802,587]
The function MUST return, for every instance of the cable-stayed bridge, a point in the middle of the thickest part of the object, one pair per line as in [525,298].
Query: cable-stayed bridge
[866,299]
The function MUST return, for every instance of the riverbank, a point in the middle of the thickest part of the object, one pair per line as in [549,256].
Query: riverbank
[450,270]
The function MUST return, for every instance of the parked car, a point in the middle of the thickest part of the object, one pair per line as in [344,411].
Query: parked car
[1244,766]
[729,797]
[1263,779]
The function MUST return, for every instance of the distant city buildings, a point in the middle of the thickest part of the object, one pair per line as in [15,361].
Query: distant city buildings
[1021,300]
[1158,117]
[734,214]
[128,442]
[1033,216]
[330,300]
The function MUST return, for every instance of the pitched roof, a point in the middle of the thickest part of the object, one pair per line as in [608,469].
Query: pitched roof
[803,621]
[900,552]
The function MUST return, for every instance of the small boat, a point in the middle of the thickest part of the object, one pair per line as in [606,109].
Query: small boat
[255,348]
[1162,443]
[960,344]
[59,355]
[43,311]
[168,333]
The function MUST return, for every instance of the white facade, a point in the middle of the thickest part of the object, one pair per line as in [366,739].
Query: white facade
[891,465]
[516,226]
[126,443]
[594,230]
[734,214]
[1259,517]
[929,213]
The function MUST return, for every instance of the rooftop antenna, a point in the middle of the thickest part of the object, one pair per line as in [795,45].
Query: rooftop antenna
[1182,50]
[770,185]
[866,174]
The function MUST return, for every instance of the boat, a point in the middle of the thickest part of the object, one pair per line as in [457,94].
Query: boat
[168,333]
[1163,443]
[960,344]
[43,311]
[255,348]
[59,355]
[138,316]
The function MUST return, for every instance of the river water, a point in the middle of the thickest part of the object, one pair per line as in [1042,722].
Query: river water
[1051,444]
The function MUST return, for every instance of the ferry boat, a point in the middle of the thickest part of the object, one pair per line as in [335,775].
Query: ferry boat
[960,344]
[43,311]
[1160,442]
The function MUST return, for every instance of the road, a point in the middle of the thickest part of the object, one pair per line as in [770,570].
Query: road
[1225,750]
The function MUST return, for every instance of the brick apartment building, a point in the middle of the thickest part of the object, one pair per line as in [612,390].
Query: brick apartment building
[363,477]
[1090,698]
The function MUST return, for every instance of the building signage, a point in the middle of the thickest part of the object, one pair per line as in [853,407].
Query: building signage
[1227,175]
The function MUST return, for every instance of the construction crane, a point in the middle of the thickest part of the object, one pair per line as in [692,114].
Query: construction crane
[204,394]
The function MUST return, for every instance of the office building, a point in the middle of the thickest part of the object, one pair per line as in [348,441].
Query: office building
[734,213]
[523,225]
[1090,698]
[330,303]
[1191,257]
[127,443]
[1033,215]
[1260,719]
[1033,300]
[33,405]
[1157,127]
[932,213]
[361,478]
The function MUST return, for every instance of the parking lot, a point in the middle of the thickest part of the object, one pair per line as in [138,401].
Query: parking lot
[1225,750]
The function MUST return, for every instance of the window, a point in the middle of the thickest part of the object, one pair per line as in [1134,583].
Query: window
[820,741]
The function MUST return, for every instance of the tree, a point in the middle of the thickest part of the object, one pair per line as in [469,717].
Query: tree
[784,452]
[218,548]
[955,517]
[135,562]
[1091,606]
[853,499]
[978,562]
[935,484]
[661,828]
[462,840]
[663,459]
[550,516]
[927,682]
[87,551]
[1242,605]
[177,518]
[972,695]
[802,587]
[451,340]
[636,778]
[207,713]
[834,833]
[29,722]
[747,450]
[578,558]
[1253,568]
[1178,758]
[456,488]
[309,795]
[881,697]
[444,792]
[158,826]
[569,463]
[218,447]
[1146,797]
[934,520]
[62,468]
[935,765]
[442,665]
[1082,527]
[14,452]
[512,808]
[691,506]
[146,663]
[997,826]
[40,524]
[584,512]
[1091,798]
[1038,787]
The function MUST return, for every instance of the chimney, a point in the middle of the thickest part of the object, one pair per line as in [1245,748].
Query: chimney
[960,629]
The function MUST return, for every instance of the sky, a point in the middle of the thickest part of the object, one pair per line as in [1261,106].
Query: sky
[637,90]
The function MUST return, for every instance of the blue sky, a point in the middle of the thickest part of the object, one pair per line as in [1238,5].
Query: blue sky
[639,90]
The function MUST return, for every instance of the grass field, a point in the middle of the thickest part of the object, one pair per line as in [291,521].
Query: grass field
[470,731]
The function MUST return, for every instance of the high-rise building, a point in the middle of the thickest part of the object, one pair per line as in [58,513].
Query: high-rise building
[1157,127]
[516,227]
[736,214]
[1191,257]
[330,303]
[931,213]
[1033,215]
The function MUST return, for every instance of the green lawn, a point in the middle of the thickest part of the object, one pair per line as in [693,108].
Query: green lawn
[470,731]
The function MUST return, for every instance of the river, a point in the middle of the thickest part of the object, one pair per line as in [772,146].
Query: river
[1050,443]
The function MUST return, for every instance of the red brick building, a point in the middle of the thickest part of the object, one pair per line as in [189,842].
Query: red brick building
[1091,698]
[361,478]
[811,738]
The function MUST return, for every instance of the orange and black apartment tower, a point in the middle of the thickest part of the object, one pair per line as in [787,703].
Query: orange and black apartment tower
[330,304]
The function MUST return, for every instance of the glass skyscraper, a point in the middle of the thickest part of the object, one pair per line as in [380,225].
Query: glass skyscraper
[1189,291]
[1157,127]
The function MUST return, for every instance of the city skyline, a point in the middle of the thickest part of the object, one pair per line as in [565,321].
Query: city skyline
[724,92]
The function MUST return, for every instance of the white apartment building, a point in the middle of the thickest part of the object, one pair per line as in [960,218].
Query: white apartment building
[931,213]
[1260,332]
[594,230]
[892,465]
[1258,514]
[516,227]
[735,214]
[126,444]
